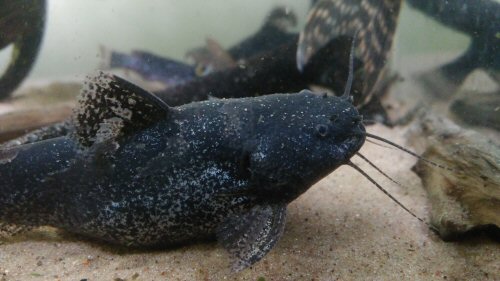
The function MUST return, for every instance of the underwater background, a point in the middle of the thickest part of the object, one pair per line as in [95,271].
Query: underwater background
[75,29]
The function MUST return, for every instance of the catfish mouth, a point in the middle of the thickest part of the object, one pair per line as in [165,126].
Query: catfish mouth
[354,142]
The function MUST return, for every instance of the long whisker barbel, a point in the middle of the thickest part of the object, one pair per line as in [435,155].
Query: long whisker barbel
[370,122]
[389,195]
[409,152]
[376,143]
[378,169]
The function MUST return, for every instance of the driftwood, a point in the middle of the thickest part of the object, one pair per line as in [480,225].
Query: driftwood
[35,108]
[468,196]
[21,122]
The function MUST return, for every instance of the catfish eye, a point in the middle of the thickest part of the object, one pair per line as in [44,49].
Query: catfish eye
[334,118]
[322,130]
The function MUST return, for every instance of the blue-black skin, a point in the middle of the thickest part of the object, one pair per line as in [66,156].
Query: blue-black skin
[154,68]
[179,179]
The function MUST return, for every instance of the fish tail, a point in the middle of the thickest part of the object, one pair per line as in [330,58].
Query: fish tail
[30,181]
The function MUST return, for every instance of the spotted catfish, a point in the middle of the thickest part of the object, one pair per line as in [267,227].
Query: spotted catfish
[372,22]
[136,172]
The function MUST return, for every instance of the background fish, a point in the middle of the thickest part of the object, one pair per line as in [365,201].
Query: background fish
[211,58]
[275,31]
[479,20]
[150,66]
[374,22]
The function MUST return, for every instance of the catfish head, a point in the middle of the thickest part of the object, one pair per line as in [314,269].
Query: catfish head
[298,139]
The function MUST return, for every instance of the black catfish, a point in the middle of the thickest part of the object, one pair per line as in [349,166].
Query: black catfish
[134,171]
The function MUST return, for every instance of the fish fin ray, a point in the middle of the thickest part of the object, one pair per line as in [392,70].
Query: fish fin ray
[250,235]
[110,107]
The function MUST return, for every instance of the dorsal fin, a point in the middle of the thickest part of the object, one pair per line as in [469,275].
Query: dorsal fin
[110,107]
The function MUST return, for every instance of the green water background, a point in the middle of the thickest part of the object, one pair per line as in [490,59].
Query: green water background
[75,29]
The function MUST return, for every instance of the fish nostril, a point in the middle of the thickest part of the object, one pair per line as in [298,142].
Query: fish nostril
[322,130]
[334,118]
[357,119]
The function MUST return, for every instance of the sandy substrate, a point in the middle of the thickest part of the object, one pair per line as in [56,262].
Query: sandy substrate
[342,228]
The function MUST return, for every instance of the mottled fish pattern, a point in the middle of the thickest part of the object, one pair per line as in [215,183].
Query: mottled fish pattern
[133,171]
[372,21]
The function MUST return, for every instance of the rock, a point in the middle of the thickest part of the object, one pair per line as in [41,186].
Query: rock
[465,195]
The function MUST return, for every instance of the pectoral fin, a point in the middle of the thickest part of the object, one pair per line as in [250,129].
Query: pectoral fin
[251,235]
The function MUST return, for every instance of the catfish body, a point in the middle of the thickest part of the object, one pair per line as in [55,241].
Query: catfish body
[136,172]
